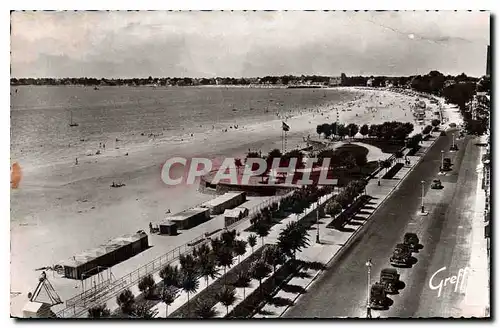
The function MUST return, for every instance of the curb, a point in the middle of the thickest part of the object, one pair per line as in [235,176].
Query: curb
[349,241]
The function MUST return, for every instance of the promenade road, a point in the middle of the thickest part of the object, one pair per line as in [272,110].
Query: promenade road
[445,235]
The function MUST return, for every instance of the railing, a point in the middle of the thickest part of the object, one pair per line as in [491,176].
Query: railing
[78,305]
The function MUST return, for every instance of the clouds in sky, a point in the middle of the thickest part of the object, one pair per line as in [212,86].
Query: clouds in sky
[209,44]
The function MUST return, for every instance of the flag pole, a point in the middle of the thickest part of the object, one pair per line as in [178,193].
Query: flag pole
[285,142]
[282,132]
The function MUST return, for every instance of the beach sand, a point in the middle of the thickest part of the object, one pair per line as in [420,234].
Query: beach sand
[62,209]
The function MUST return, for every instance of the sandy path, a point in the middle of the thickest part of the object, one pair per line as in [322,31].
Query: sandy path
[63,209]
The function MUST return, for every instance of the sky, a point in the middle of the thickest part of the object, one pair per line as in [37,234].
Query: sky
[125,44]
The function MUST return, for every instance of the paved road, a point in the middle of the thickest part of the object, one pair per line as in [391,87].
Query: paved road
[341,291]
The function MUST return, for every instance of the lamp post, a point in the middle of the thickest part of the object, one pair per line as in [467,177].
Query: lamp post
[368,309]
[442,160]
[317,223]
[423,185]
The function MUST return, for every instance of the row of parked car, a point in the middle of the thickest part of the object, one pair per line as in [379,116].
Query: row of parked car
[389,277]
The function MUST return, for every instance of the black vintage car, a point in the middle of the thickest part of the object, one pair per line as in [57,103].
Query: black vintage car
[377,297]
[412,241]
[401,255]
[389,278]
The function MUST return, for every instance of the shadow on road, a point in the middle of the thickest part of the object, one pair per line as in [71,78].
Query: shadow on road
[281,301]
[294,289]
[352,222]
[344,229]
[265,312]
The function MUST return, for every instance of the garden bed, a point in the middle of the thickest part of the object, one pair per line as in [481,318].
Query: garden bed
[258,298]
[209,295]
[347,214]
[393,171]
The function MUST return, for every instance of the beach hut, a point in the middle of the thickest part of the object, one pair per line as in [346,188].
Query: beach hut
[190,218]
[168,227]
[234,215]
[90,262]
[229,200]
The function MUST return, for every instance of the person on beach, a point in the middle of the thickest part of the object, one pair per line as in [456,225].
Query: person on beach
[76,161]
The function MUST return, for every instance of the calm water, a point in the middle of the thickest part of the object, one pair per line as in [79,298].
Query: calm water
[40,115]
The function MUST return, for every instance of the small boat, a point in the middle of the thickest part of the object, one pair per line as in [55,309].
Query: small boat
[71,123]
[117,185]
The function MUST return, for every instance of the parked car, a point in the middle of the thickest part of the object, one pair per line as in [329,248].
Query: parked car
[411,239]
[401,255]
[389,278]
[377,297]
[446,164]
[436,184]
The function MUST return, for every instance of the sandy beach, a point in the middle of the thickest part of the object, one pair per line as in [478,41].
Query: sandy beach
[62,209]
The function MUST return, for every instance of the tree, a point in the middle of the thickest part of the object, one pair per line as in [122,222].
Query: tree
[217,245]
[350,161]
[227,297]
[333,208]
[189,285]
[208,267]
[205,311]
[342,131]
[126,301]
[147,286]
[262,229]
[188,264]
[364,130]
[292,239]
[144,310]
[427,129]
[273,256]
[170,275]
[98,312]
[252,241]
[260,270]
[343,199]
[200,252]
[352,129]
[240,248]
[168,296]
[414,141]
[225,259]
[228,238]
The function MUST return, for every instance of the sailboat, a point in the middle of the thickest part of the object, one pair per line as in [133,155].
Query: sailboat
[71,123]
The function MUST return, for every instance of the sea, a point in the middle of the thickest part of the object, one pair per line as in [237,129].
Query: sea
[132,116]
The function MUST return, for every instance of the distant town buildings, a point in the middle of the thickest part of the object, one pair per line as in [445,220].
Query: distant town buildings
[335,81]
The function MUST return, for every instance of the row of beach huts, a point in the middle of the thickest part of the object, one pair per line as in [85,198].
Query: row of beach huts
[90,262]
[227,205]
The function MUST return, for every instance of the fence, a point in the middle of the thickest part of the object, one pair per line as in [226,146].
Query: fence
[101,293]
